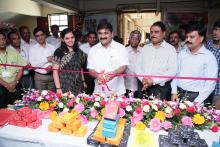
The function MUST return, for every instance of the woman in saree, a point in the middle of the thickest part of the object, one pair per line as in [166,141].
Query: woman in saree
[69,57]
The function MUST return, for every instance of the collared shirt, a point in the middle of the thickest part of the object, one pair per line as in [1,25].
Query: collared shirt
[180,47]
[131,83]
[157,62]
[201,64]
[216,52]
[28,45]
[38,56]
[109,59]
[85,48]
[23,52]
[25,55]
[56,42]
[10,56]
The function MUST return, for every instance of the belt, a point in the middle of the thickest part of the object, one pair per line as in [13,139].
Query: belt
[49,73]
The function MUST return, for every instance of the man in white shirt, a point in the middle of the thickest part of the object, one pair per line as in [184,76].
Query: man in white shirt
[107,59]
[54,39]
[41,55]
[134,50]
[26,41]
[92,40]
[26,80]
[157,58]
[174,39]
[195,61]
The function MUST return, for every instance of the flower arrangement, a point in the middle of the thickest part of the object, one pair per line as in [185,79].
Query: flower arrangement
[154,113]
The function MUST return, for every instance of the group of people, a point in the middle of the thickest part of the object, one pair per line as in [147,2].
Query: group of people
[62,64]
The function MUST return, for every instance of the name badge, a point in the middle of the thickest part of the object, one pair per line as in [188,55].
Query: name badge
[6,74]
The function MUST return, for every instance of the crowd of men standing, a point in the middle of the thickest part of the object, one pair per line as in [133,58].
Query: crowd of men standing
[105,65]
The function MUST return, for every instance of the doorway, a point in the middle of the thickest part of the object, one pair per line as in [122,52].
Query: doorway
[137,21]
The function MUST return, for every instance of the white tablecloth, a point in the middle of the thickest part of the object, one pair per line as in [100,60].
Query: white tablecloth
[12,136]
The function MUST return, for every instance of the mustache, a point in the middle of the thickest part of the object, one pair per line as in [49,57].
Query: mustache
[187,42]
[103,38]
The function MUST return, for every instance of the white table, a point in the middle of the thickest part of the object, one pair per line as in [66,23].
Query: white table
[13,136]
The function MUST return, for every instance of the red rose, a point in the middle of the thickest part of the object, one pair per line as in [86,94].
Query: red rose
[87,98]
[50,92]
[123,105]
[138,110]
[103,103]
[145,103]
[158,106]
[177,112]
[190,109]
[215,128]
[51,107]
[58,95]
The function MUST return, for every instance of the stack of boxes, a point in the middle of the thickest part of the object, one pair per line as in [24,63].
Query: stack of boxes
[68,125]
[110,120]
[216,144]
[111,130]
[25,117]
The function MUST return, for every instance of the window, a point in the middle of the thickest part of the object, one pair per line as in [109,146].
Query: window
[58,19]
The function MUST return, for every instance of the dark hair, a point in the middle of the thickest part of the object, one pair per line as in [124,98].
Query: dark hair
[160,24]
[38,29]
[92,32]
[63,44]
[54,26]
[12,32]
[3,33]
[196,26]
[23,27]
[105,25]
[217,23]
[173,32]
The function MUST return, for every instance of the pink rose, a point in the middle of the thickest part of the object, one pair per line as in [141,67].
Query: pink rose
[121,112]
[83,119]
[136,118]
[79,108]
[70,103]
[166,125]
[155,125]
[186,120]
[93,112]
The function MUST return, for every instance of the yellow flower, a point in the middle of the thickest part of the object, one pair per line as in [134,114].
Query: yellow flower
[73,111]
[198,119]
[103,111]
[53,115]
[55,103]
[44,106]
[98,117]
[160,115]
[140,126]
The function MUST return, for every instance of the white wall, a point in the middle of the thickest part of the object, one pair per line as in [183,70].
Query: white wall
[26,7]
[49,10]
[30,21]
